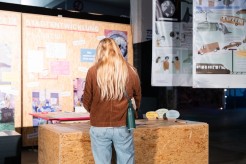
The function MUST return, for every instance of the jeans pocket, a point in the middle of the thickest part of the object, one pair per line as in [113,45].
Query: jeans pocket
[124,133]
[98,131]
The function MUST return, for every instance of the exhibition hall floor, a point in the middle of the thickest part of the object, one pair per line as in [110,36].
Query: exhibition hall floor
[227,135]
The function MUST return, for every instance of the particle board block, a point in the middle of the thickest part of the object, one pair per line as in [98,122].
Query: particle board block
[157,142]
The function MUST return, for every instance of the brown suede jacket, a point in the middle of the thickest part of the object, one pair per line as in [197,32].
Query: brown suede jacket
[110,113]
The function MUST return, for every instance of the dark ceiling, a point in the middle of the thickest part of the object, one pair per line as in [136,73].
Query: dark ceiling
[53,3]
[107,7]
[117,3]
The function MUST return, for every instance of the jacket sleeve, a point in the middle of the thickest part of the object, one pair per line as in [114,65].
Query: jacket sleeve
[87,96]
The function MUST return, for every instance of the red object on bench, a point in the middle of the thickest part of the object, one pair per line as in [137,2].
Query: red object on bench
[62,116]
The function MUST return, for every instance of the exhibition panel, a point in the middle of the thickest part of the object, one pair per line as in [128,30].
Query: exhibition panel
[10,70]
[57,52]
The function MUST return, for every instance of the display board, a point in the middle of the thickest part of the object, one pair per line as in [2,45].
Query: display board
[10,71]
[57,53]
[219,48]
[172,43]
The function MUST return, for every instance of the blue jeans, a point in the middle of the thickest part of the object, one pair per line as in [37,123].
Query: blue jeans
[102,139]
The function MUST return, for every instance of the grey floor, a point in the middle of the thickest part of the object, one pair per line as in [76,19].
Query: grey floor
[29,156]
[227,135]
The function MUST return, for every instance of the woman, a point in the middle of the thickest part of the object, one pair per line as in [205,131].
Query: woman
[108,82]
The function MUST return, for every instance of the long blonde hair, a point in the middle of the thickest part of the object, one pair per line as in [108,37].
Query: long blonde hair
[112,70]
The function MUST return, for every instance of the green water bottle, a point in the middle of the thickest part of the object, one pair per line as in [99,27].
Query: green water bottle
[130,118]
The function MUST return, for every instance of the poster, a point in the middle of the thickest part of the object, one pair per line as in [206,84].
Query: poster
[10,70]
[78,92]
[172,43]
[219,47]
[120,37]
[43,101]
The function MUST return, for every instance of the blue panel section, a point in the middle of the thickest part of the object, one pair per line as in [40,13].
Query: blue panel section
[87,55]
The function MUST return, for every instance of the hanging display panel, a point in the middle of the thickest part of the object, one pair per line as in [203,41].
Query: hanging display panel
[10,71]
[57,52]
[219,48]
[172,43]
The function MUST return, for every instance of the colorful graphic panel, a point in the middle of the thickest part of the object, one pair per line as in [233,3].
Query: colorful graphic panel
[10,70]
[219,47]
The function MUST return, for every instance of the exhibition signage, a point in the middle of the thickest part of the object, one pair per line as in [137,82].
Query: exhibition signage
[58,51]
[10,70]
[219,49]
[199,43]
[172,43]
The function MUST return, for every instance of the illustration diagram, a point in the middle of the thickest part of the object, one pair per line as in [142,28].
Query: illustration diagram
[208,68]
[206,48]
